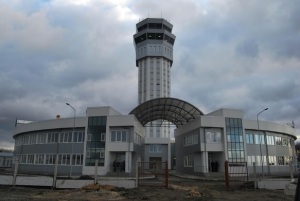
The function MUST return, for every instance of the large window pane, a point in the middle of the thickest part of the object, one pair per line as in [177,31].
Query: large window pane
[119,136]
[113,136]
[123,136]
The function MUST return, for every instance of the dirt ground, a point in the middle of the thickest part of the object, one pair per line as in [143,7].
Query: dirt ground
[179,189]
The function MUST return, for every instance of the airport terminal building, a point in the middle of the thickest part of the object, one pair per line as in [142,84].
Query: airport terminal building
[114,141]
[108,137]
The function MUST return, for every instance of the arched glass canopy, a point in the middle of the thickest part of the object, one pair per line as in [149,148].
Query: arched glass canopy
[174,110]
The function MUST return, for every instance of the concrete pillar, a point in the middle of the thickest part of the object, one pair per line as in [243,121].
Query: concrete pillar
[128,161]
[204,161]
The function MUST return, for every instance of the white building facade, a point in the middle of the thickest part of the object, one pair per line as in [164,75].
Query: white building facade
[225,135]
[104,136]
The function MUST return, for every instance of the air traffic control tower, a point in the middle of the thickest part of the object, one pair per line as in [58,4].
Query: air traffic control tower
[154,57]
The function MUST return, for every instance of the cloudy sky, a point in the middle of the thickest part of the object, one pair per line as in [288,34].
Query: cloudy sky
[228,53]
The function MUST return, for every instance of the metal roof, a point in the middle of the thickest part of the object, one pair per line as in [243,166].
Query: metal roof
[174,110]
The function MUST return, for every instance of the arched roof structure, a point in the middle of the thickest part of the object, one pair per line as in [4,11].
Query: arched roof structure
[174,110]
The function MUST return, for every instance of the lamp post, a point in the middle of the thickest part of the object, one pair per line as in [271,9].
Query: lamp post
[71,159]
[260,136]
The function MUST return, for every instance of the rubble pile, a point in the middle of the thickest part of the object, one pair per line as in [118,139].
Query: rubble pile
[194,193]
[96,187]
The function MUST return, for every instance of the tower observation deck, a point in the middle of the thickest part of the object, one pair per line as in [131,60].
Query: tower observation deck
[154,57]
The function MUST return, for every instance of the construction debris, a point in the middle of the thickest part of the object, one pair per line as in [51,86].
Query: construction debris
[96,187]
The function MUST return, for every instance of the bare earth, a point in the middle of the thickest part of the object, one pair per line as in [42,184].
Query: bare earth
[179,189]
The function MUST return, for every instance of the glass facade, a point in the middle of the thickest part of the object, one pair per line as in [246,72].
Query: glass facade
[95,145]
[235,140]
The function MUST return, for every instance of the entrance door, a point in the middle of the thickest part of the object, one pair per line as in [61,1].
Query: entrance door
[120,162]
[155,163]
[120,157]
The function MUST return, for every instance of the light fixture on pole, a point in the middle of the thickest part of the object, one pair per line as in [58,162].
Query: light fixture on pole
[71,159]
[261,136]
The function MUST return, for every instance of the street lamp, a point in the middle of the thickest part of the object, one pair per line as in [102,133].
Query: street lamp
[260,136]
[71,159]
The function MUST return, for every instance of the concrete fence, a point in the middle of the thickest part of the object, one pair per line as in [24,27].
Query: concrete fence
[65,183]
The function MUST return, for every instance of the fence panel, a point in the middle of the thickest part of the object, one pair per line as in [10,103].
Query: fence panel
[236,174]
[153,174]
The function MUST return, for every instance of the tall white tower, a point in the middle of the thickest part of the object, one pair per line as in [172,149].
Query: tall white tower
[154,57]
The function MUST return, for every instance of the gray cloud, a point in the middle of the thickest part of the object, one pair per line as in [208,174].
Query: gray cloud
[236,54]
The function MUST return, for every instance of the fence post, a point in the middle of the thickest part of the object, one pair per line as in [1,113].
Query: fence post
[96,172]
[226,176]
[55,171]
[15,172]
[136,173]
[254,174]
[291,172]
[167,175]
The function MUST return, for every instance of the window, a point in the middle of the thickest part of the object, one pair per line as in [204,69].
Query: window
[102,153]
[119,136]
[52,137]
[259,139]
[251,160]
[190,140]
[78,136]
[23,159]
[33,139]
[39,159]
[155,148]
[284,142]
[103,137]
[75,137]
[290,142]
[213,137]
[278,140]
[77,159]
[41,138]
[272,160]
[137,139]
[195,139]
[64,159]
[65,137]
[189,161]
[280,160]
[68,137]
[30,158]
[26,139]
[235,139]
[50,159]
[95,131]
[288,160]
[89,137]
[270,140]
[249,138]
